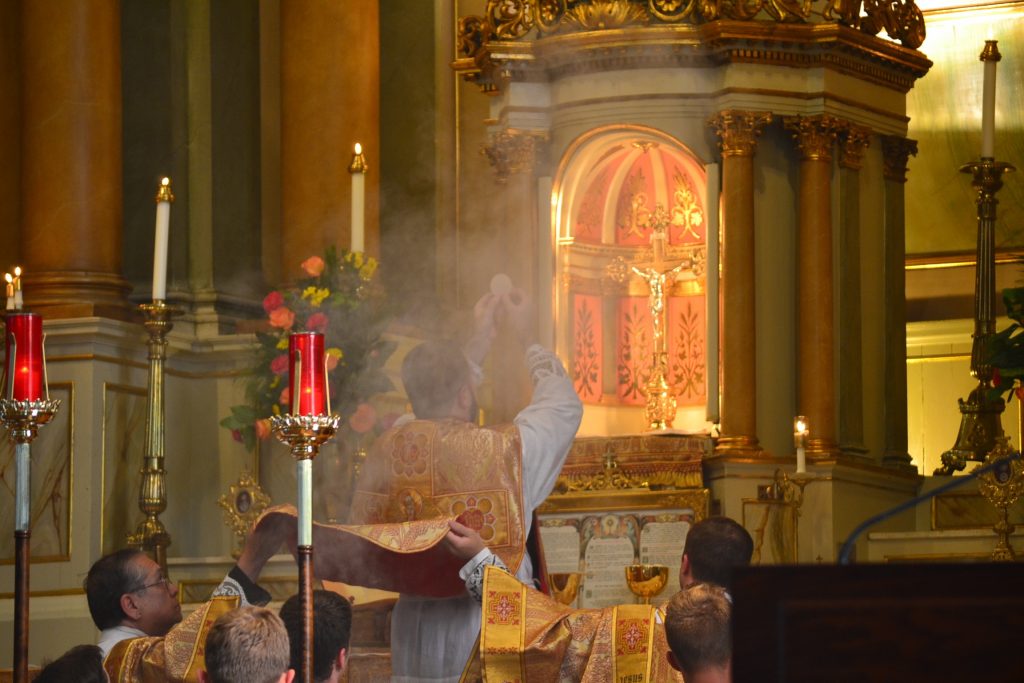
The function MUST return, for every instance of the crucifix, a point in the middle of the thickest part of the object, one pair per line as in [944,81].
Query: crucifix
[660,273]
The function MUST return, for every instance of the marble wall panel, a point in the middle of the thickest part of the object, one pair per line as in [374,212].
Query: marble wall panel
[124,433]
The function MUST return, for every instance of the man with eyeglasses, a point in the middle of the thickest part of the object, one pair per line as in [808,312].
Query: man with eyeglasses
[130,597]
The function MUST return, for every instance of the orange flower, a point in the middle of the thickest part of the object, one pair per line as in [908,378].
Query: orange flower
[262,428]
[363,419]
[313,266]
[286,396]
[282,317]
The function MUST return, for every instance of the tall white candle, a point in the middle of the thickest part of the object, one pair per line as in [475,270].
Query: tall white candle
[800,430]
[989,56]
[164,197]
[358,171]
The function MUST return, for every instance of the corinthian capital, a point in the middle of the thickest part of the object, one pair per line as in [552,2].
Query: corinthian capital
[853,140]
[512,151]
[738,130]
[814,135]
[896,152]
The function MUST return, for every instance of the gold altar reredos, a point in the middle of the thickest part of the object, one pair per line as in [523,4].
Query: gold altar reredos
[517,38]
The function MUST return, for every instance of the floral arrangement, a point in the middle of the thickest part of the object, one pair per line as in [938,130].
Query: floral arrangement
[1004,351]
[340,298]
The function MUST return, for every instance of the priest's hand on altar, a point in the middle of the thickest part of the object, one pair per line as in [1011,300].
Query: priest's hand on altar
[462,541]
[263,542]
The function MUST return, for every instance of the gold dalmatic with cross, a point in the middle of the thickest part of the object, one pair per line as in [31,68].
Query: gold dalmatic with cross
[660,273]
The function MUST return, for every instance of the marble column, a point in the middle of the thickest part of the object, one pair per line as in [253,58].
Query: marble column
[330,99]
[10,145]
[738,132]
[852,143]
[816,381]
[896,152]
[71,175]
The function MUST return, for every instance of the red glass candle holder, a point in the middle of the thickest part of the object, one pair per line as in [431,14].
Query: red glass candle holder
[306,371]
[24,374]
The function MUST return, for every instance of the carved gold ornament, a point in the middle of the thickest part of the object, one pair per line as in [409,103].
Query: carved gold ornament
[511,20]
[1002,487]
[244,502]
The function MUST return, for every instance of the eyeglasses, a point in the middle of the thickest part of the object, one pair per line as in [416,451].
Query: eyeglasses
[162,580]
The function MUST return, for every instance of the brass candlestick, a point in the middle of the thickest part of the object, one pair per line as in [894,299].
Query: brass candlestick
[304,435]
[23,420]
[646,580]
[980,423]
[150,535]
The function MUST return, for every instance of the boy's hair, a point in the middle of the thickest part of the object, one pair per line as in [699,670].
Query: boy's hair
[332,625]
[247,645]
[697,628]
[715,547]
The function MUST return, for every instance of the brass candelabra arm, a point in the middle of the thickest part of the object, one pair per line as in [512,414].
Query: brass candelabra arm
[24,418]
[304,434]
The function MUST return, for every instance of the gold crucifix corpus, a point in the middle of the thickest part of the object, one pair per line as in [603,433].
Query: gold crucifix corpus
[660,274]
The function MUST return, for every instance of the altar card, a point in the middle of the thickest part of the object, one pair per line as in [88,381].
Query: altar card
[598,535]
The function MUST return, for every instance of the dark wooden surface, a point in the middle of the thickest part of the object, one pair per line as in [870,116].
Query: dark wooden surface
[879,622]
[305,560]
[21,567]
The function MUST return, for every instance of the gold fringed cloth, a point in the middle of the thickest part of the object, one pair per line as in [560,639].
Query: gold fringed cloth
[178,656]
[429,469]
[405,557]
[527,636]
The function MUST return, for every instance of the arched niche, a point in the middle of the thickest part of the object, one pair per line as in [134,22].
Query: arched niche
[606,195]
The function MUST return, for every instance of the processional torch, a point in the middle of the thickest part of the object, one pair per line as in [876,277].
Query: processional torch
[309,425]
[25,406]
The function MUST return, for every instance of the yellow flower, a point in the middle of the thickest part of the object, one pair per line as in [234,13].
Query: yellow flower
[367,271]
[282,343]
[315,296]
[334,355]
[275,409]
[274,382]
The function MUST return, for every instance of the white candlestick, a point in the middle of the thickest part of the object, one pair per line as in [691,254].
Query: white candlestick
[164,197]
[990,56]
[358,171]
[305,501]
[801,460]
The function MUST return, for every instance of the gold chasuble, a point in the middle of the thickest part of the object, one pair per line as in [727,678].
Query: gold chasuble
[429,469]
[417,478]
[178,656]
[527,636]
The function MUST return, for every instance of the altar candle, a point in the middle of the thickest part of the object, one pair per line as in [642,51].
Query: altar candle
[358,171]
[306,370]
[990,56]
[19,301]
[800,433]
[164,197]
[10,291]
[25,372]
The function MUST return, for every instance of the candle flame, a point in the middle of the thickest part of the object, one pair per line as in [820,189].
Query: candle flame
[800,425]
[10,280]
[17,271]
[359,149]
[165,182]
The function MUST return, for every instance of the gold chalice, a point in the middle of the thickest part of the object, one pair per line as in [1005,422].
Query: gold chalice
[646,580]
[565,586]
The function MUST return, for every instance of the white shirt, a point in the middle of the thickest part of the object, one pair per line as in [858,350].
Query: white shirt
[109,637]
[431,638]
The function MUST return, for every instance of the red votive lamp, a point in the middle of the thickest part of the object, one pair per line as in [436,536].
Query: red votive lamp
[24,373]
[306,371]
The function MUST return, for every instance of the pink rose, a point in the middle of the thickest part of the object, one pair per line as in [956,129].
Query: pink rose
[262,428]
[273,301]
[317,322]
[236,435]
[279,365]
[363,419]
[313,266]
[282,317]
[286,396]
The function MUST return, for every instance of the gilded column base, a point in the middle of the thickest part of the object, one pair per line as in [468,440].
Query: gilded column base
[742,446]
[822,449]
[79,294]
